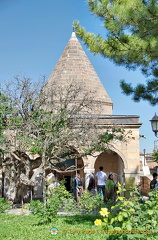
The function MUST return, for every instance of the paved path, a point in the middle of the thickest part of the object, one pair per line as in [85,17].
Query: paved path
[21,211]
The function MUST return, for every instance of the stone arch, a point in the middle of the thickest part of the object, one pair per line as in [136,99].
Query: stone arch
[121,155]
[113,163]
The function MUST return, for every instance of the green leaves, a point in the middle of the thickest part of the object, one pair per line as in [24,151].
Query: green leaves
[35,150]
[135,219]
[150,212]
[56,199]
[5,110]
[89,203]
[120,217]
[4,205]
[131,40]
[155,155]
[125,214]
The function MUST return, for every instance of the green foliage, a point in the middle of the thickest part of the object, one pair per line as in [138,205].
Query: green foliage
[5,109]
[89,203]
[105,138]
[50,133]
[131,40]
[131,218]
[60,199]
[4,205]
[36,207]
[56,199]
[155,155]
[35,149]
[37,130]
[115,133]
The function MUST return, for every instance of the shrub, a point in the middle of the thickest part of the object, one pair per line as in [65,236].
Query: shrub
[56,199]
[89,203]
[4,205]
[131,218]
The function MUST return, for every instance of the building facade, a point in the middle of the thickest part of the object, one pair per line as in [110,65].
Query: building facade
[121,159]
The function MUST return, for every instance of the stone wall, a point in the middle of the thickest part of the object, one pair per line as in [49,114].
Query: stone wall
[145,185]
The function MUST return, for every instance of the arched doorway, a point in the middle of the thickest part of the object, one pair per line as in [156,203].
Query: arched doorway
[112,163]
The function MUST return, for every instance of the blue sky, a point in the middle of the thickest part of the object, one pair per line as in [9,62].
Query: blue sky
[34,34]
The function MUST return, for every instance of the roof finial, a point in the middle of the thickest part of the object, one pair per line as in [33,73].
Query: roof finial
[73,32]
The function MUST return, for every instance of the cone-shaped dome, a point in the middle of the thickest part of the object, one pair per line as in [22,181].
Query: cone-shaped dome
[74,66]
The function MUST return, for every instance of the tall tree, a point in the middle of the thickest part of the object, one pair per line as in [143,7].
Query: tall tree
[5,109]
[131,40]
[44,130]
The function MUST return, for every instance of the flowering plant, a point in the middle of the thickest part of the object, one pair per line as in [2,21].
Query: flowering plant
[104,212]
[130,218]
[98,222]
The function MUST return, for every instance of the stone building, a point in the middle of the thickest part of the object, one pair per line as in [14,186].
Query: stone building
[123,158]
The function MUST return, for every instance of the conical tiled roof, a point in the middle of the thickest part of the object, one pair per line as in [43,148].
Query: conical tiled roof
[75,67]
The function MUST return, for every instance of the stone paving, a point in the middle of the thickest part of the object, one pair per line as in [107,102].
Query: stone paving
[19,211]
[24,211]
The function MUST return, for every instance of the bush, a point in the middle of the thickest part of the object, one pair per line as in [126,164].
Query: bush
[89,203]
[4,205]
[131,218]
[55,200]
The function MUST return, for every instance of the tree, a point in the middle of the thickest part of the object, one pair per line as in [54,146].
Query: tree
[131,40]
[4,111]
[155,155]
[16,102]
[44,130]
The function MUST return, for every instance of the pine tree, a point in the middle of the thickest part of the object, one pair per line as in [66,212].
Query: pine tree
[131,40]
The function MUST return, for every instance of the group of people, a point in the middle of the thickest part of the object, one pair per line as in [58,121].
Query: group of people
[107,187]
[100,183]
[103,184]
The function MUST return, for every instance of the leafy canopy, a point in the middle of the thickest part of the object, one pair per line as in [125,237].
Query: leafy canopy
[155,155]
[131,40]
[5,110]
[51,133]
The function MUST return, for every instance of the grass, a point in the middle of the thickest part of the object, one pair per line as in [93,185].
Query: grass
[20,227]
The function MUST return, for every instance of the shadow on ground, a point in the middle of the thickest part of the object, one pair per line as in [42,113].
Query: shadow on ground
[78,219]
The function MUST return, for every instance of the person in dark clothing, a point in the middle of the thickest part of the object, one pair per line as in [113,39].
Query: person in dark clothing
[154,181]
[91,185]
[77,187]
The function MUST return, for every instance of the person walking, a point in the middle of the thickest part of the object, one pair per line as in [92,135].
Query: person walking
[101,178]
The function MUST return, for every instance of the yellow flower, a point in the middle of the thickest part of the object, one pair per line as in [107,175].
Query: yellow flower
[118,184]
[98,222]
[104,212]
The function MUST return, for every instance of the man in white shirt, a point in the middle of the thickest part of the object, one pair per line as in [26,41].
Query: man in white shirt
[101,178]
